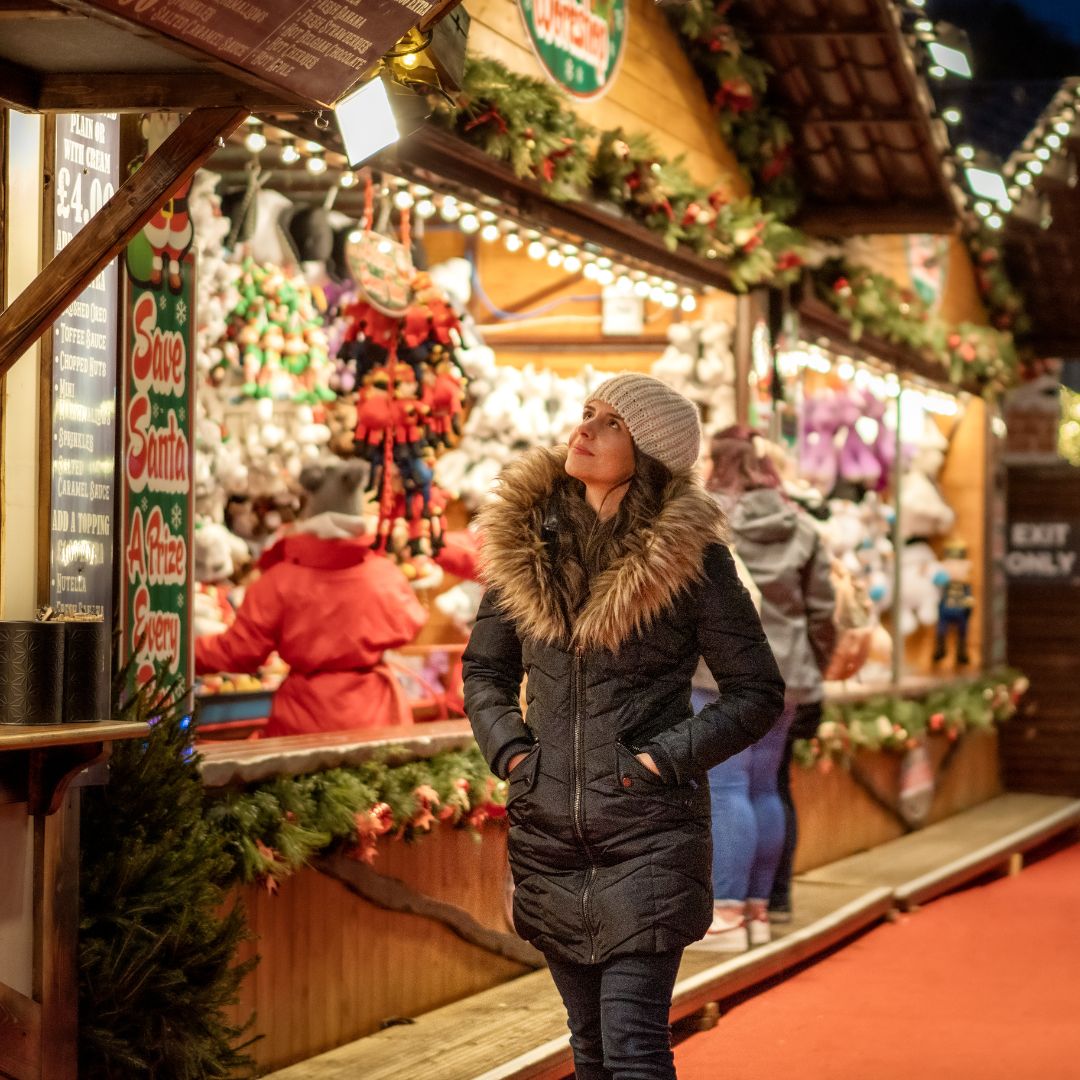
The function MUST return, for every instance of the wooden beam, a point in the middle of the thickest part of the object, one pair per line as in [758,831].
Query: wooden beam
[20,1035]
[24,10]
[169,91]
[848,219]
[110,229]
[19,87]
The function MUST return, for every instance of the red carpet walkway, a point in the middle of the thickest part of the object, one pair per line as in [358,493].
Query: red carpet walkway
[981,985]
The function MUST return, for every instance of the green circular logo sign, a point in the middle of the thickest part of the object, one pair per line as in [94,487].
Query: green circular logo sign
[579,42]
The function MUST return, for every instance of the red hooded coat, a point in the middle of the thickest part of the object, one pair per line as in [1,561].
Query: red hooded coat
[329,607]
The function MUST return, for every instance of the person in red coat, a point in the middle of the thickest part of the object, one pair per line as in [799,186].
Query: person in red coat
[330,607]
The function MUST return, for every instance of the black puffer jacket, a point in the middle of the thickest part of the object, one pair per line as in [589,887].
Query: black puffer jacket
[607,857]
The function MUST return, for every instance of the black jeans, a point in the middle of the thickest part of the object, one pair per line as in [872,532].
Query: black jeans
[807,721]
[618,1015]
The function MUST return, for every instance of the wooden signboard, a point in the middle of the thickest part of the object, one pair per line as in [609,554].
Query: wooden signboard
[316,50]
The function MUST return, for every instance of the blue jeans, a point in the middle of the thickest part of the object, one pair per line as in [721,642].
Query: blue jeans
[747,814]
[618,1015]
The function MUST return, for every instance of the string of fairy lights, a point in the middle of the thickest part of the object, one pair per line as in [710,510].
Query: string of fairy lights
[606,268]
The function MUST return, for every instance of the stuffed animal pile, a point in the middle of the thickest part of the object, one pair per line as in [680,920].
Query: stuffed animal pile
[699,363]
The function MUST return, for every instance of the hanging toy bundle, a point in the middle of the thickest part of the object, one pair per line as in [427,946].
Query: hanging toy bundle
[401,333]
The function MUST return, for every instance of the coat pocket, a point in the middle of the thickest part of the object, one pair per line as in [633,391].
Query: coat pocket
[523,778]
[635,779]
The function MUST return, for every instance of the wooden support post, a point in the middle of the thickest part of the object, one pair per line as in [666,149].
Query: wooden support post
[1016,863]
[744,337]
[110,229]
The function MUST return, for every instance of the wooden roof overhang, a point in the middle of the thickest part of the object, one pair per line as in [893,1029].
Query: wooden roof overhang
[215,60]
[1044,262]
[872,155]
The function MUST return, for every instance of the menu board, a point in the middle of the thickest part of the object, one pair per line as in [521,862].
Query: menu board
[158,403]
[84,354]
[316,49]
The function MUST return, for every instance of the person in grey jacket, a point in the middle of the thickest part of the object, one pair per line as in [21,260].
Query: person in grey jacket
[787,561]
[607,578]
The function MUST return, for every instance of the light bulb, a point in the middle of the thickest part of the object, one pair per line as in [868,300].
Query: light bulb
[604,262]
[1042,153]
[489,233]
[347,180]
[1035,167]
[592,272]
[316,164]
[983,209]
[952,116]
[1063,127]
[487,217]
[965,152]
[403,199]
[670,300]
[624,284]
[255,139]
[572,264]
[1023,178]
[554,258]
[641,288]
[657,294]
[425,208]
[688,303]
[605,276]
[995,221]
[513,241]
[1053,140]
[409,60]
[846,371]
[450,210]
[536,250]
[938,72]
[289,153]
[469,223]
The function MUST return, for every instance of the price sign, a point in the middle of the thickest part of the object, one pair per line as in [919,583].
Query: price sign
[84,364]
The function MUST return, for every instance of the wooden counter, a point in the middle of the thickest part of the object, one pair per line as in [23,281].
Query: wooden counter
[43,768]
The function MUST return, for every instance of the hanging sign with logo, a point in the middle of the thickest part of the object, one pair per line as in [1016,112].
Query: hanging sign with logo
[158,399]
[579,43]
[928,261]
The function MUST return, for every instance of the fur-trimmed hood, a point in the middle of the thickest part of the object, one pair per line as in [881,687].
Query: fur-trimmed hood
[628,596]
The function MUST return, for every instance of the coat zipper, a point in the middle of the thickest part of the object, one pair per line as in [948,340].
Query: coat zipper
[579,790]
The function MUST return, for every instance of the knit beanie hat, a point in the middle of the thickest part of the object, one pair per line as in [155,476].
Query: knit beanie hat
[662,423]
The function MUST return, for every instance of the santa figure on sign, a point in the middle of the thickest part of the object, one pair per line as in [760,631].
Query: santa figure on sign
[170,234]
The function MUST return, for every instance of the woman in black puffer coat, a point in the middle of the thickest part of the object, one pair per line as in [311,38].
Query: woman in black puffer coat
[607,579]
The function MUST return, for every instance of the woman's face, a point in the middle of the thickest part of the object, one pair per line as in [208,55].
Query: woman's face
[601,450]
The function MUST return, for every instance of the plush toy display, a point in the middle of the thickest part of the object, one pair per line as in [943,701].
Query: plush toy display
[843,437]
[923,511]
[318,578]
[957,602]
[218,556]
[699,363]
[921,577]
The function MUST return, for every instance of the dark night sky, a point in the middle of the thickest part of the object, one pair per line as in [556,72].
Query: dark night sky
[1063,14]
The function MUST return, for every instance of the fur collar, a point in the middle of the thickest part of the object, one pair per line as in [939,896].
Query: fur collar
[628,596]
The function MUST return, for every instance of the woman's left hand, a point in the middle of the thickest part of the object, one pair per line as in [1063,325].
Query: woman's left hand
[647,761]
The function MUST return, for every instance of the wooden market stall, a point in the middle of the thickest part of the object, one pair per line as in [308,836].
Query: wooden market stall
[71,61]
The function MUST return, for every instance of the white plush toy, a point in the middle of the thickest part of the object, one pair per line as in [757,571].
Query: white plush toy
[923,511]
[216,552]
[920,574]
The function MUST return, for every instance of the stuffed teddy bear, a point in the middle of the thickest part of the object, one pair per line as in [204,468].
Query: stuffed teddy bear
[330,607]
[218,556]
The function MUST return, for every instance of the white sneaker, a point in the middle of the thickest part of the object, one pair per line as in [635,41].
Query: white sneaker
[759,930]
[725,935]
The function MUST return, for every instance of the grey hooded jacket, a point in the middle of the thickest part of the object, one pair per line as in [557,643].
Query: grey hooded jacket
[789,564]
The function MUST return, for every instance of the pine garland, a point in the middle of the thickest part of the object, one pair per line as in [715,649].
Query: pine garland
[156,952]
[736,82]
[873,303]
[274,829]
[893,725]
[524,122]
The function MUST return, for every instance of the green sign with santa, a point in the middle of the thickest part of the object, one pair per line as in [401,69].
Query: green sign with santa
[579,43]
[157,446]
